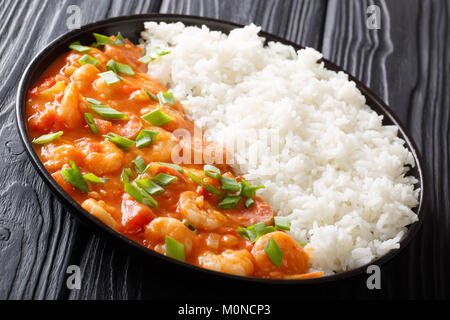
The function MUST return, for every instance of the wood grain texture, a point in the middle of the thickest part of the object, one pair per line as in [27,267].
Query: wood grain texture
[406,62]
[38,239]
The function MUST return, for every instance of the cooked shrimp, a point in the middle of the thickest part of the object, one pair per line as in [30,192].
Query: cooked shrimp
[97,209]
[295,259]
[199,212]
[157,230]
[229,261]
[68,111]
[101,158]
[161,148]
[55,156]
[84,76]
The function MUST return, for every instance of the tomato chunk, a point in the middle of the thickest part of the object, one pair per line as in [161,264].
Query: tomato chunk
[135,215]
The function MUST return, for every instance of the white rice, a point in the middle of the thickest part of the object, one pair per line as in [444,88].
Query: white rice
[336,172]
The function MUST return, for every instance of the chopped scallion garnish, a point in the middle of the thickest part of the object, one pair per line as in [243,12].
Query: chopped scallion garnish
[140,195]
[126,174]
[149,186]
[102,39]
[47,138]
[78,47]
[282,223]
[249,202]
[151,95]
[119,68]
[274,252]
[229,202]
[110,77]
[88,59]
[175,249]
[248,189]
[157,117]
[93,101]
[139,164]
[166,98]
[230,184]
[107,112]
[91,123]
[164,179]
[93,178]
[120,141]
[173,166]
[211,171]
[204,185]
[145,138]
[253,232]
[75,178]
[154,53]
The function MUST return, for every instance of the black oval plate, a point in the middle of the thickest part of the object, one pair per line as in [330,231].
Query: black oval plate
[131,27]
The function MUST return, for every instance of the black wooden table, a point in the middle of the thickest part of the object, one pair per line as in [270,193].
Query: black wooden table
[406,62]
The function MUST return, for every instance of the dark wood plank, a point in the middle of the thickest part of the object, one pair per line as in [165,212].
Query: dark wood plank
[298,21]
[406,64]
[38,239]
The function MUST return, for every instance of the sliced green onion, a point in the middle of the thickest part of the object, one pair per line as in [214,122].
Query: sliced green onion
[229,202]
[189,225]
[204,185]
[126,174]
[157,117]
[149,186]
[230,184]
[78,47]
[46,138]
[91,123]
[145,138]
[175,249]
[102,40]
[88,59]
[154,53]
[249,202]
[93,101]
[282,223]
[75,178]
[140,195]
[246,233]
[173,166]
[151,95]
[164,179]
[107,112]
[255,231]
[119,68]
[119,39]
[120,141]
[274,252]
[302,243]
[110,77]
[93,178]
[211,171]
[146,59]
[139,164]
[166,98]
[248,189]
[147,167]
